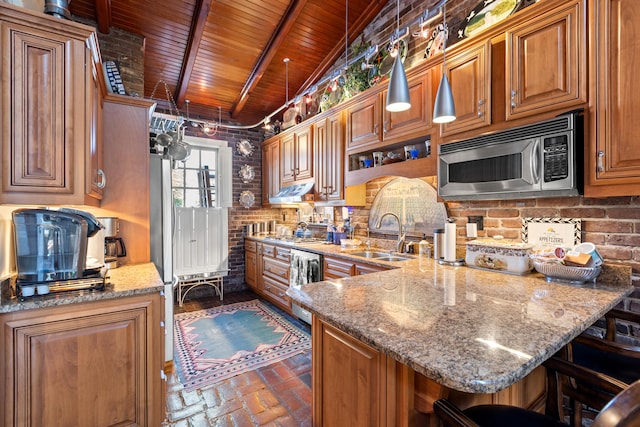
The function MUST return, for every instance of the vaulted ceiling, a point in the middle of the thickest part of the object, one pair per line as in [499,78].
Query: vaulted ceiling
[229,53]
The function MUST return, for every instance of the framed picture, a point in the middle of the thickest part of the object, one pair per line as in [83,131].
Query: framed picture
[563,232]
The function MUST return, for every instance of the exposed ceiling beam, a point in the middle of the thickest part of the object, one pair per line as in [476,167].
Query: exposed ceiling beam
[103,15]
[263,62]
[364,19]
[201,11]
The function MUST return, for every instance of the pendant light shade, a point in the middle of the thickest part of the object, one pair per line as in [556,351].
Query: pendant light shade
[444,110]
[398,93]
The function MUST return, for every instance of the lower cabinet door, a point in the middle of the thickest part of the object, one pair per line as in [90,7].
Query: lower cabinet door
[96,367]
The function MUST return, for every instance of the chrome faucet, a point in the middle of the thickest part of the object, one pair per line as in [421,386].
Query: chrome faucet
[402,232]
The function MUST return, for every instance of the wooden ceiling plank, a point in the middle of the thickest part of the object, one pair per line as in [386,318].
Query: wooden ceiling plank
[279,36]
[103,15]
[200,14]
[364,19]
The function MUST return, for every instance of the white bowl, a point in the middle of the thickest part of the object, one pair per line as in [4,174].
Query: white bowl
[43,289]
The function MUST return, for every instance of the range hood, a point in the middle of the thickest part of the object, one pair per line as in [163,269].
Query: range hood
[292,194]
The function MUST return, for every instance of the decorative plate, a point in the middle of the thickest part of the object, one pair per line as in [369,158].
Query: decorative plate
[245,148]
[383,62]
[436,41]
[247,173]
[487,13]
[247,199]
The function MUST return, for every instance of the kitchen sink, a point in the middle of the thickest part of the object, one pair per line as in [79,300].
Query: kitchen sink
[371,254]
[392,258]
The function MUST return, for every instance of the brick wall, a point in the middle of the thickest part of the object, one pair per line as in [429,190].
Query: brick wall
[127,51]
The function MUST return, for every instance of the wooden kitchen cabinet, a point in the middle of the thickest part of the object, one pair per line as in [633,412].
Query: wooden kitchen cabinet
[95,179]
[469,73]
[363,122]
[329,159]
[48,109]
[126,164]
[416,121]
[272,274]
[613,139]
[250,263]
[270,170]
[349,379]
[296,155]
[546,62]
[370,125]
[336,268]
[91,364]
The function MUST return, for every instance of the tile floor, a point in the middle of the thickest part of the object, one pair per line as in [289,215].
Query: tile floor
[277,395]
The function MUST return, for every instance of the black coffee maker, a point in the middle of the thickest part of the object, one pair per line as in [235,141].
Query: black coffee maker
[51,246]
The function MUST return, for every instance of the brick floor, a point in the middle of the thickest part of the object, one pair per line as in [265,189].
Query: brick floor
[277,395]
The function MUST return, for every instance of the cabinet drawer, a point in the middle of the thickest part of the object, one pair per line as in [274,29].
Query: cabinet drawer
[335,269]
[276,292]
[276,270]
[283,254]
[361,269]
[268,250]
[250,246]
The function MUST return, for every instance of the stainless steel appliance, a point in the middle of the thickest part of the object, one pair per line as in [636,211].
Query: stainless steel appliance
[306,267]
[51,249]
[538,160]
[161,220]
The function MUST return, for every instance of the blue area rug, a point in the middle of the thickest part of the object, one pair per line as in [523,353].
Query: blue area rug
[219,343]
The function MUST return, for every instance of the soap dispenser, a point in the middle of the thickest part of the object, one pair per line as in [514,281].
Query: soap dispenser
[423,247]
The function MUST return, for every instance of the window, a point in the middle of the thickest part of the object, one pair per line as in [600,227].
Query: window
[195,180]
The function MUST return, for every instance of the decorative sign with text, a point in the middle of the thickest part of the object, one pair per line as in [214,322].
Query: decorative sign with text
[562,232]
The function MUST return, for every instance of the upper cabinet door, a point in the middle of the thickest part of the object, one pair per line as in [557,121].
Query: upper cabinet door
[47,97]
[469,73]
[37,93]
[287,159]
[304,153]
[416,121]
[363,122]
[547,62]
[613,162]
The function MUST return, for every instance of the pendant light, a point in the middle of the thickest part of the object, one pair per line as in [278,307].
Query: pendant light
[444,110]
[398,92]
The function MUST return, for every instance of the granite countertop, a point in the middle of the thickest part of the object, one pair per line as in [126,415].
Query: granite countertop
[123,281]
[468,329]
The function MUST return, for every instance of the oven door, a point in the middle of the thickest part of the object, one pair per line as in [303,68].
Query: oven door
[498,169]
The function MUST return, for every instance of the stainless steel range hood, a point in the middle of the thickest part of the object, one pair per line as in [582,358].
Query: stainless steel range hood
[292,194]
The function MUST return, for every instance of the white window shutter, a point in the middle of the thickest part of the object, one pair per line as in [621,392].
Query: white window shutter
[225,180]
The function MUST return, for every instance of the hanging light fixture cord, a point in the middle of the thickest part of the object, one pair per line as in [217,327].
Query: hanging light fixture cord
[346,35]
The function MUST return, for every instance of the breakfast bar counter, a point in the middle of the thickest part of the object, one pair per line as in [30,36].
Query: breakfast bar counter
[467,329]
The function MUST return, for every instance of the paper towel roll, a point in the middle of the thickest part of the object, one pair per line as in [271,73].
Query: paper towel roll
[450,241]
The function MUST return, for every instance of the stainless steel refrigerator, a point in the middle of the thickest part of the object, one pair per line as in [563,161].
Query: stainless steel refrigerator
[161,235]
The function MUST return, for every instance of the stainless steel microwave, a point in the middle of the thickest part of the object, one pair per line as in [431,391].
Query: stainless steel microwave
[539,160]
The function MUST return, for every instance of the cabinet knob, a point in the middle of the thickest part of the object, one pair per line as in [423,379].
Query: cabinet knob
[600,161]
[513,98]
[281,294]
[103,179]
[375,128]
[384,127]
[480,104]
